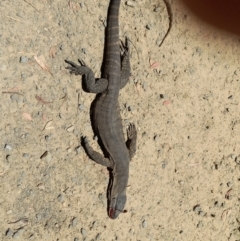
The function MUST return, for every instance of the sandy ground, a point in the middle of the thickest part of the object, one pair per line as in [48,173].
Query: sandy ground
[182,96]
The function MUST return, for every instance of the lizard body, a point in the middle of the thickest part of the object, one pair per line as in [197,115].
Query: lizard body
[106,118]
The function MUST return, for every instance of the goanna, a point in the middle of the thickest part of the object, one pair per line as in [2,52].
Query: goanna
[106,118]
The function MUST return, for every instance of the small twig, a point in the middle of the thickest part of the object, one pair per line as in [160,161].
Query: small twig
[225,213]
[31,6]
[11,92]
[170,16]
[193,164]
[78,99]
[40,61]
[23,220]
[2,173]
[134,47]
[227,195]
[40,99]
[14,19]
[64,98]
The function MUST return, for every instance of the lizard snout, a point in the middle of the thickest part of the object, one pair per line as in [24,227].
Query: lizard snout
[116,206]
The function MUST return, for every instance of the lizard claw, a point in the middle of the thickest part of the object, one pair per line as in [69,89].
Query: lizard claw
[81,62]
[71,63]
[76,69]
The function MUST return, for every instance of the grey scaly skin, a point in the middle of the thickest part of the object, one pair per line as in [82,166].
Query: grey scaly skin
[106,115]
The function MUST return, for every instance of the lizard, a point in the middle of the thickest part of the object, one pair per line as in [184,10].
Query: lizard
[106,119]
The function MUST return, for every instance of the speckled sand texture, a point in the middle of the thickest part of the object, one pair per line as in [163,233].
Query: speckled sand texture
[183,97]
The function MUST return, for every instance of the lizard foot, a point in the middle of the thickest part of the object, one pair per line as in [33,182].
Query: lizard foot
[132,140]
[131,131]
[124,47]
[77,69]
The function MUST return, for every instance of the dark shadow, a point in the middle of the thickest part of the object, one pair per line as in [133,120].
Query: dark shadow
[223,14]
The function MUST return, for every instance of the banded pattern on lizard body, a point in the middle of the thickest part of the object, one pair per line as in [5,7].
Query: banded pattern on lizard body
[106,118]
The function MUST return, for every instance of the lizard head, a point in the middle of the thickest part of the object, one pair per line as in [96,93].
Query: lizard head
[116,205]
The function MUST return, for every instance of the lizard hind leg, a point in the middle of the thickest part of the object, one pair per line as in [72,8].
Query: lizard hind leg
[95,156]
[132,140]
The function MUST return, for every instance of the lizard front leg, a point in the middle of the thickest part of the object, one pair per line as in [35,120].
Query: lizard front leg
[92,85]
[131,142]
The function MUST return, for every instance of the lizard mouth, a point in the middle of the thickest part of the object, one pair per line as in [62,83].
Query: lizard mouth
[113,213]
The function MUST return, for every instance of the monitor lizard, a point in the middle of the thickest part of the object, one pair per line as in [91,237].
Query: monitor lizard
[106,118]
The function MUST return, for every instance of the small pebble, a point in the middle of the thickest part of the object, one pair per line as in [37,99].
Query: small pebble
[76,239]
[130,3]
[9,233]
[84,50]
[197,209]
[158,41]
[8,147]
[161,96]
[83,232]
[164,164]
[98,236]
[8,158]
[23,59]
[61,116]
[76,180]
[39,216]
[78,149]
[81,107]
[60,198]
[74,222]
[181,183]
[131,231]
[100,196]
[47,138]
[94,224]
[70,129]
[157,9]
[3,67]
[198,50]
[47,156]
[25,155]
[200,224]
[23,76]
[201,213]
[148,26]
[156,137]
[18,233]
[144,85]
[9,211]
[144,224]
